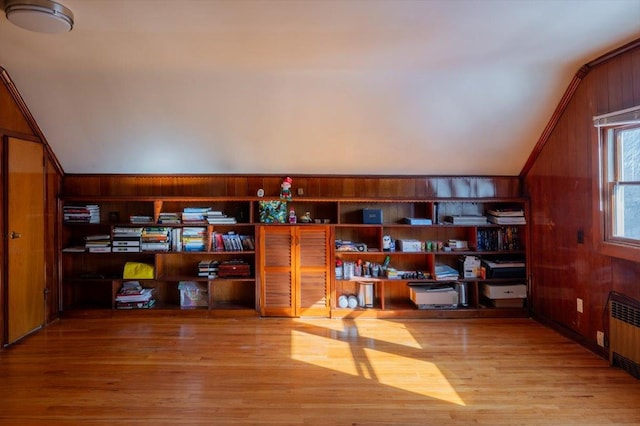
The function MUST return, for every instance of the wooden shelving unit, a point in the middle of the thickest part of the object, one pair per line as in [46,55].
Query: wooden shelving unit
[89,281]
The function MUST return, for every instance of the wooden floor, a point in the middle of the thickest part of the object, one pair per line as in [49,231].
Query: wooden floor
[309,371]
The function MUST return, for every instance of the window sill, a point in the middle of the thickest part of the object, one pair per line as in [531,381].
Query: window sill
[619,250]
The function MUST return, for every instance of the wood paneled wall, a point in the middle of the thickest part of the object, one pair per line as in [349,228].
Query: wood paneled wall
[560,186]
[410,187]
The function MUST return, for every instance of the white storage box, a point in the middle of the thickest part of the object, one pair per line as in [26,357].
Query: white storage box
[409,246]
[193,294]
[504,291]
[433,298]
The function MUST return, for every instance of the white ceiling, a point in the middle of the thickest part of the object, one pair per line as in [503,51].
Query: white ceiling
[307,87]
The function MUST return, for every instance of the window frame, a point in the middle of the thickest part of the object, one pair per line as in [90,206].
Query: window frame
[609,127]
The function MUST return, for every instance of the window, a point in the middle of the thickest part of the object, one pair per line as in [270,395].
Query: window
[619,189]
[623,184]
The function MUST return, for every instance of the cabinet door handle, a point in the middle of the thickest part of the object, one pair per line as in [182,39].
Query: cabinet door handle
[15,235]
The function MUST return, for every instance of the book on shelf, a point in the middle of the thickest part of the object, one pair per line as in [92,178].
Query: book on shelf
[106,237]
[74,249]
[125,242]
[136,305]
[208,268]
[125,249]
[506,212]
[99,249]
[140,219]
[444,272]
[466,220]
[507,220]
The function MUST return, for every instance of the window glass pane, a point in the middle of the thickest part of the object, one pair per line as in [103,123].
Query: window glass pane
[629,151]
[627,215]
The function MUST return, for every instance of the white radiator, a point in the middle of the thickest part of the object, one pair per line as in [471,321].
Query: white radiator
[624,334]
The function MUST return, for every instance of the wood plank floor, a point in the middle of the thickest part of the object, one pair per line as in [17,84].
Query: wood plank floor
[267,371]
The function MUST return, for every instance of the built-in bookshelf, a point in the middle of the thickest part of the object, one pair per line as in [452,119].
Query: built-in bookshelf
[388,246]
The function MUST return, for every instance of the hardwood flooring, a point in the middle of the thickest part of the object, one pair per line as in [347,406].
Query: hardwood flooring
[268,371]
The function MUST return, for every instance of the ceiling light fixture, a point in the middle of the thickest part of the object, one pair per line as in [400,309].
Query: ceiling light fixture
[43,16]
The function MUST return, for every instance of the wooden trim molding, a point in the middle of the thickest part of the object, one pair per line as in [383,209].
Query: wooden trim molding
[15,94]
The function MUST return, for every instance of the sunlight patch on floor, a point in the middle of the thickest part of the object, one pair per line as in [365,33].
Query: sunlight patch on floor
[401,372]
[412,375]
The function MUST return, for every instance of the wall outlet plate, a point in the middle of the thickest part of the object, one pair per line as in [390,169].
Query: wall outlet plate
[600,338]
[579,305]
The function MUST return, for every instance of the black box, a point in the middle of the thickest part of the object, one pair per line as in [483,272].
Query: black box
[372,216]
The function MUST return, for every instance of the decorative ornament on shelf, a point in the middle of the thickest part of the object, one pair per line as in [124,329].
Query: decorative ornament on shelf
[292,216]
[260,192]
[306,218]
[285,189]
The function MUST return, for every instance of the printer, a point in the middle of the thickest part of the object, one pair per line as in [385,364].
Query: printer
[504,268]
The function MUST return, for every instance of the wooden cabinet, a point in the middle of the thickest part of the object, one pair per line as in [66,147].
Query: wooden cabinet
[295,265]
[91,280]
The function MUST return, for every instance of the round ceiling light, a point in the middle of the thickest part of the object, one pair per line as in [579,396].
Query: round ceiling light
[43,16]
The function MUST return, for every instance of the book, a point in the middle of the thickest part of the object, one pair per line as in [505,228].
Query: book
[507,220]
[506,212]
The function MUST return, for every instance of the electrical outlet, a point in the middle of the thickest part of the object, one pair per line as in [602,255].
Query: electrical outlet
[600,338]
[300,191]
[579,306]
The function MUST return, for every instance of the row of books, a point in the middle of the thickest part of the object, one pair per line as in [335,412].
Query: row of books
[506,238]
[164,239]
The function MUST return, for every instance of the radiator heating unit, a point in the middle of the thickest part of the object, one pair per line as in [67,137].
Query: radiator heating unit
[624,334]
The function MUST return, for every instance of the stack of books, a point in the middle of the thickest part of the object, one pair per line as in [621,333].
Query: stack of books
[507,217]
[97,243]
[140,219]
[215,217]
[445,273]
[208,268]
[191,215]
[193,238]
[169,218]
[155,238]
[132,296]
[89,213]
[126,239]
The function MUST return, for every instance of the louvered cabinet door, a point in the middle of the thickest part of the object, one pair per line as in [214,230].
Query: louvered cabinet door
[277,296]
[313,266]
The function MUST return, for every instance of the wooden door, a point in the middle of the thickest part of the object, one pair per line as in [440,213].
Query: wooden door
[25,242]
[277,292]
[313,270]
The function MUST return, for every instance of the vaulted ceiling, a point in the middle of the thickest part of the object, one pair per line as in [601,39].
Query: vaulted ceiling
[462,87]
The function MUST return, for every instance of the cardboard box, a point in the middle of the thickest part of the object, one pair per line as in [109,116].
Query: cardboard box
[504,291]
[372,216]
